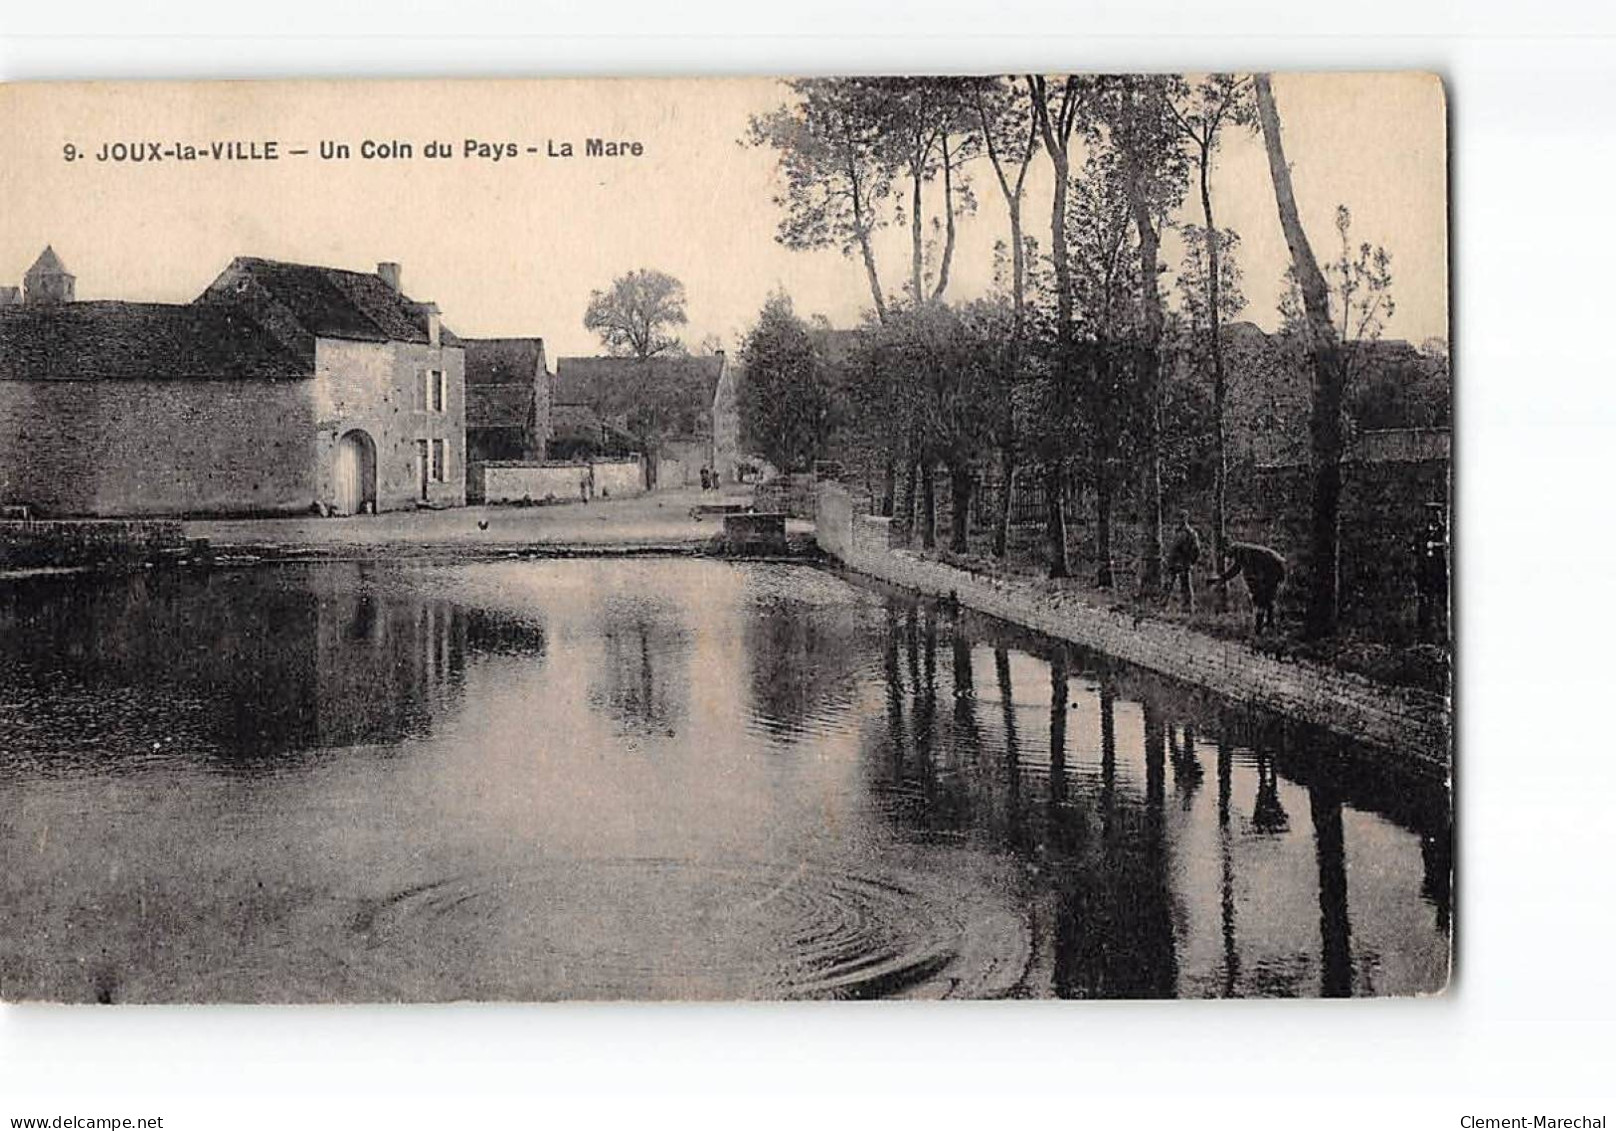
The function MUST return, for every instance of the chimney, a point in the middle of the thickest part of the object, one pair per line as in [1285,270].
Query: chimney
[391,274]
[434,323]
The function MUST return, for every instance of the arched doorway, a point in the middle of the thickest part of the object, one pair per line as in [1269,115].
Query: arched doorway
[355,473]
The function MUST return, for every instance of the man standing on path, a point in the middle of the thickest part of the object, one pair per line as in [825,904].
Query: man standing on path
[1264,570]
[1184,553]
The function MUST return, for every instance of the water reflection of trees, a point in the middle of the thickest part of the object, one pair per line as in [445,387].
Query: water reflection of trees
[249,665]
[643,680]
[1102,842]
[801,662]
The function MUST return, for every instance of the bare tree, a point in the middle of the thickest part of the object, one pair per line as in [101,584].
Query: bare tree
[1329,382]
[1058,111]
[1200,116]
[1010,133]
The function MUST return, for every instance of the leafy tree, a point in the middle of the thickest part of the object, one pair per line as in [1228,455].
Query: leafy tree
[785,401]
[1105,282]
[1138,117]
[929,130]
[1010,132]
[635,316]
[830,142]
[843,145]
[1059,109]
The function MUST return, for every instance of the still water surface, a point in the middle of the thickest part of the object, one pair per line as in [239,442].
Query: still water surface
[661,779]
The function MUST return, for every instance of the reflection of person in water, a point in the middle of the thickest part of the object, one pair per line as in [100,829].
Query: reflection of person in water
[1264,570]
[1268,812]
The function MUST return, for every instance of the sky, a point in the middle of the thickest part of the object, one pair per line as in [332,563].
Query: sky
[513,247]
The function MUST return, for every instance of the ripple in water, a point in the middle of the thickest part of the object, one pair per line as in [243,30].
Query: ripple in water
[683,929]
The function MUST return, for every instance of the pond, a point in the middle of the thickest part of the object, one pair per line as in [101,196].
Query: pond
[662,778]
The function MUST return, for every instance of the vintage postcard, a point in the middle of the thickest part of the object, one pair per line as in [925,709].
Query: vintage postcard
[869,537]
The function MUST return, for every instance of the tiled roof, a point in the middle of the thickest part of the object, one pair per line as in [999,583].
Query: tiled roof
[500,361]
[134,340]
[48,262]
[602,380]
[329,302]
[499,406]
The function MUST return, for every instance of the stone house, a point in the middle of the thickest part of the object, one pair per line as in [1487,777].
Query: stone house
[603,403]
[507,404]
[282,388]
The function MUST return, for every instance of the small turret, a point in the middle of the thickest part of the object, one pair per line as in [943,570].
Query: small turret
[47,281]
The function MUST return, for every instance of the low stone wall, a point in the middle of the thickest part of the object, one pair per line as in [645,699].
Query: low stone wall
[32,545]
[1405,724]
[794,495]
[755,533]
[535,481]
[618,478]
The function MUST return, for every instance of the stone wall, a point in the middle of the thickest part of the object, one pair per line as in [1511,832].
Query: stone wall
[794,495]
[535,481]
[619,478]
[1406,724]
[520,481]
[25,545]
[157,447]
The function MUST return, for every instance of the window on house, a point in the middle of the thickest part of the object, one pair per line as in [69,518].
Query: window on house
[440,390]
[420,390]
[440,461]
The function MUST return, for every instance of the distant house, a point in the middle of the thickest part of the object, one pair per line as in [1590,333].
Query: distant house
[508,412]
[282,388]
[601,404]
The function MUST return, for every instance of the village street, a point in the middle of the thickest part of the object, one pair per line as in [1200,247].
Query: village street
[661,518]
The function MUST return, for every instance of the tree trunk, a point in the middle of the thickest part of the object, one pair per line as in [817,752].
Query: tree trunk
[1150,555]
[1102,360]
[1055,520]
[959,481]
[1329,380]
[889,485]
[1007,494]
[949,234]
[1104,492]
[1220,472]
[905,518]
[1054,480]
[917,233]
[1018,265]
[862,225]
[928,499]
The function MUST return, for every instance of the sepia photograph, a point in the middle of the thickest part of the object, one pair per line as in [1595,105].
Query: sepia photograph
[726,539]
